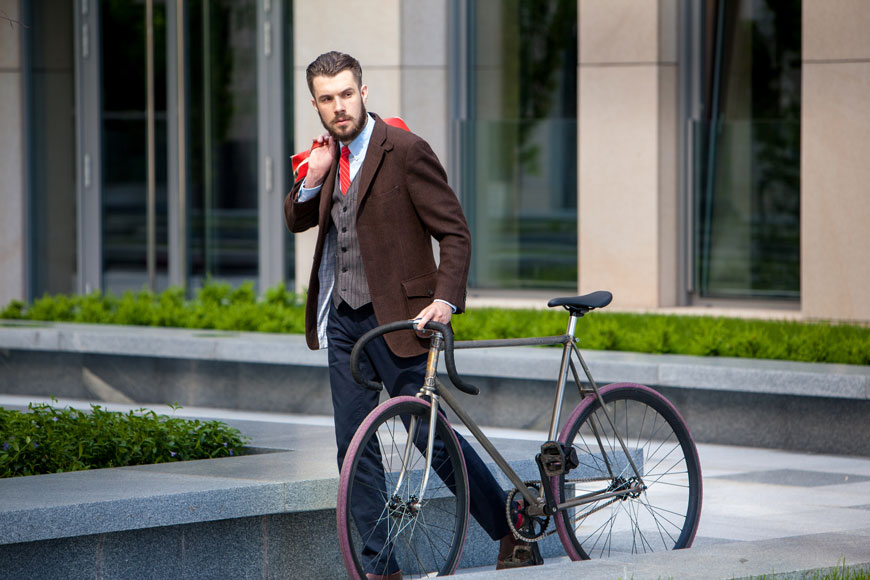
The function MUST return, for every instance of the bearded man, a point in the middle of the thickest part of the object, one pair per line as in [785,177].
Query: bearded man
[379,195]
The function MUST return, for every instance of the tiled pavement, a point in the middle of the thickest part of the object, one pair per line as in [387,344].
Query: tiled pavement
[764,511]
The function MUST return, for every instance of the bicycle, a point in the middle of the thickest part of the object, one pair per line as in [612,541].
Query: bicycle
[621,476]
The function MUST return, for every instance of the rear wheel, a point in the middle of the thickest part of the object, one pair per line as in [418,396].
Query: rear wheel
[383,524]
[663,511]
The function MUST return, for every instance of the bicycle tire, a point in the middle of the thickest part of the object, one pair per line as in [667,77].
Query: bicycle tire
[422,539]
[665,515]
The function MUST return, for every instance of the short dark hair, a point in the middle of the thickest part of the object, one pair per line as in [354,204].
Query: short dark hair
[330,64]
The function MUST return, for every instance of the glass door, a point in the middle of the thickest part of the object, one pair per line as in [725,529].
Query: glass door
[223,140]
[221,94]
[124,152]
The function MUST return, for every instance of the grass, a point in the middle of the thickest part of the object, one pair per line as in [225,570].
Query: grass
[838,572]
[219,306]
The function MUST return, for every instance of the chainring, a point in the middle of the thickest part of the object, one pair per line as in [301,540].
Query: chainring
[522,525]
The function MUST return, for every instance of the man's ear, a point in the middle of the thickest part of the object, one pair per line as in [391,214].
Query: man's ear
[314,104]
[364,93]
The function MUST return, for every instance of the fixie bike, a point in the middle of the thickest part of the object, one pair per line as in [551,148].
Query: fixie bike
[621,475]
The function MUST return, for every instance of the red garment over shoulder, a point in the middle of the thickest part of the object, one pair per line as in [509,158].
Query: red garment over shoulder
[299,162]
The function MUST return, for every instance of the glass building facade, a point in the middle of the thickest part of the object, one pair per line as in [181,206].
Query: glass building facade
[165,162]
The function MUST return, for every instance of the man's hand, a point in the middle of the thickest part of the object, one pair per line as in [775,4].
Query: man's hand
[437,311]
[323,154]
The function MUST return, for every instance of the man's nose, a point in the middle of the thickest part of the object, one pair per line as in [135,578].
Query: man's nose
[339,104]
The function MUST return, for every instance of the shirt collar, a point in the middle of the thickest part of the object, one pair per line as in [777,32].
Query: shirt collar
[359,145]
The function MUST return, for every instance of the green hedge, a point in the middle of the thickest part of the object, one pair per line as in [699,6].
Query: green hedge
[216,305]
[53,440]
[692,335]
[219,306]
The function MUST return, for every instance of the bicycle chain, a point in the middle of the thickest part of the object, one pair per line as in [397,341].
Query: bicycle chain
[522,534]
[544,533]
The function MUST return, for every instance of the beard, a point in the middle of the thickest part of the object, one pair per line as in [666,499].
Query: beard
[349,132]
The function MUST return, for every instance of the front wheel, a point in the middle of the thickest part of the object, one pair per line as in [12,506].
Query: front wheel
[384,525]
[662,511]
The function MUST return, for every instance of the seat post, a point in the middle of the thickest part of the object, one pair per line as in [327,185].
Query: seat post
[572,324]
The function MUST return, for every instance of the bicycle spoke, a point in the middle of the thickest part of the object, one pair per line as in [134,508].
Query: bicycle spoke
[657,507]
[420,536]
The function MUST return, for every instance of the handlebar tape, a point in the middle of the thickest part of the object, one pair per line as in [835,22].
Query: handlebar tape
[449,361]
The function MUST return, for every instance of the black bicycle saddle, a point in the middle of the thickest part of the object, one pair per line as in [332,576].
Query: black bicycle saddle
[583,304]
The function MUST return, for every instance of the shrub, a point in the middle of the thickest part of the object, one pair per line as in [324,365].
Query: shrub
[220,306]
[51,440]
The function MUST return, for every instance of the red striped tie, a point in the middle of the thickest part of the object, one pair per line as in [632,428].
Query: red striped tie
[344,170]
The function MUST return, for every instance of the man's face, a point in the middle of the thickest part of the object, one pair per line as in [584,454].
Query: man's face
[341,105]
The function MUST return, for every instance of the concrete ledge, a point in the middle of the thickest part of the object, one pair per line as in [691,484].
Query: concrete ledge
[147,513]
[145,341]
[711,373]
[765,403]
[715,373]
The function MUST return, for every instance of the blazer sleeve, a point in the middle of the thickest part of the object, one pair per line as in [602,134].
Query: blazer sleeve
[441,214]
[300,216]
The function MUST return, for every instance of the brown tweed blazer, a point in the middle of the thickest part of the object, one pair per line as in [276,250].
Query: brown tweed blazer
[403,202]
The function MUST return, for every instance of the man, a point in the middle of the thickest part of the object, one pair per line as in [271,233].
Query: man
[379,196]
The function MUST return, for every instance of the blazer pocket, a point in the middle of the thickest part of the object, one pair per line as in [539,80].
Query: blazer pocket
[384,196]
[421,286]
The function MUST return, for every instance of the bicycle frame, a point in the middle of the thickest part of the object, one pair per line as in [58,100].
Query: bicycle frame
[433,389]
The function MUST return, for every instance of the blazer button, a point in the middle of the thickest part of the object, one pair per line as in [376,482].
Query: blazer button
[430,293]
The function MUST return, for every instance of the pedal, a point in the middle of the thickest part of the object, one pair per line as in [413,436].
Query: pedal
[524,555]
[558,458]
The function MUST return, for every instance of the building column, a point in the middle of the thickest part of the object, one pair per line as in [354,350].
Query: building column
[835,160]
[13,200]
[627,183]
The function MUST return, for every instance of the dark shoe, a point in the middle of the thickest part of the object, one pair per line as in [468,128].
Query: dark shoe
[514,553]
[393,576]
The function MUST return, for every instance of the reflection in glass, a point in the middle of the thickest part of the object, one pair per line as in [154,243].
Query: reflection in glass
[51,129]
[223,140]
[747,153]
[520,189]
[125,162]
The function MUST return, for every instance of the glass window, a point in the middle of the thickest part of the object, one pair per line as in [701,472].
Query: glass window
[519,180]
[125,151]
[223,152]
[51,132]
[747,152]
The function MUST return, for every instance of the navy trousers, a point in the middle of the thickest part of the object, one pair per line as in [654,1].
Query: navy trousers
[401,376]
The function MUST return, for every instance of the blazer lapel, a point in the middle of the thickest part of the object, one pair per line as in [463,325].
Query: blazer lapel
[378,145]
